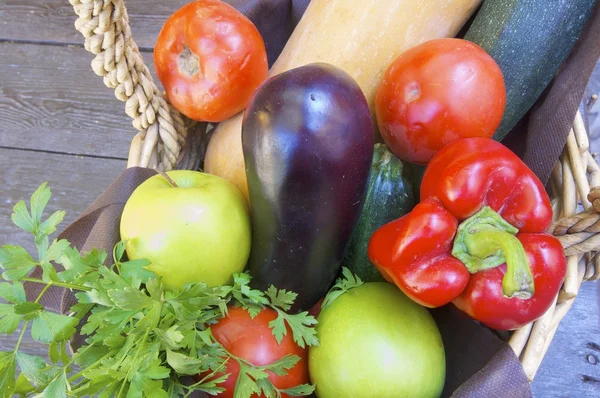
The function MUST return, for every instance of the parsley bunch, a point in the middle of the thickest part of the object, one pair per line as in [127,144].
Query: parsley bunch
[141,340]
[343,284]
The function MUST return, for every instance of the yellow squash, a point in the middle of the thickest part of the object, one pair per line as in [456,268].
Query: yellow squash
[361,37]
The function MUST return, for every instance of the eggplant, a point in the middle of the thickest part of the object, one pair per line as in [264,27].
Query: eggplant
[307,138]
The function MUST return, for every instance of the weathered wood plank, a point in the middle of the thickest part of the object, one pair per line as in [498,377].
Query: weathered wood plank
[571,367]
[52,100]
[75,181]
[53,20]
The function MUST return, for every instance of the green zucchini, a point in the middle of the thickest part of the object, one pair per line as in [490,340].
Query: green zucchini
[389,196]
[529,39]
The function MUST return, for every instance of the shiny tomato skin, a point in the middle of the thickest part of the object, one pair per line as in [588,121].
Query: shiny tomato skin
[210,59]
[253,340]
[435,93]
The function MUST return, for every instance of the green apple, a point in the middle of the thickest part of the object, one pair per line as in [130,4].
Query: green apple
[196,231]
[374,342]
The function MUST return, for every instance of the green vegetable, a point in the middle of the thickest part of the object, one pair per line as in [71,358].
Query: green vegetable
[375,342]
[529,39]
[389,196]
[140,338]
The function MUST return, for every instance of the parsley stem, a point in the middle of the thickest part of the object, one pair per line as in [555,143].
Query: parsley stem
[241,361]
[79,374]
[207,377]
[64,367]
[27,322]
[21,336]
[94,364]
[137,352]
[39,297]
[59,284]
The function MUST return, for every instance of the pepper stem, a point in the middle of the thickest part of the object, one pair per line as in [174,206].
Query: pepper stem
[518,280]
[485,241]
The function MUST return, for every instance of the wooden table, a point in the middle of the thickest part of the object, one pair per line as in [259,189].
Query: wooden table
[59,123]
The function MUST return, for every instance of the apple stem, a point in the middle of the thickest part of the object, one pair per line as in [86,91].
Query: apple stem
[166,176]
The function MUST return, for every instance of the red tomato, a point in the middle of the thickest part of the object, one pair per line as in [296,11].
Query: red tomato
[436,93]
[253,340]
[210,59]
[315,310]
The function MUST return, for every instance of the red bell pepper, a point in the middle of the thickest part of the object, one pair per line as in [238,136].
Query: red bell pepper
[476,239]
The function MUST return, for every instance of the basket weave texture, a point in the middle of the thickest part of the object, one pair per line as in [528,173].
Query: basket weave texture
[167,140]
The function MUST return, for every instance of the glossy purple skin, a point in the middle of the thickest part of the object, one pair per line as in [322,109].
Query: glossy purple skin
[307,138]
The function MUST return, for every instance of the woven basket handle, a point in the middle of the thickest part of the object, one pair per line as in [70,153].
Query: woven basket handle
[162,129]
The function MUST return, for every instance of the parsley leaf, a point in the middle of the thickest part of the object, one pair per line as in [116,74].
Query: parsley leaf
[50,253]
[49,326]
[244,294]
[57,388]
[245,386]
[130,299]
[56,250]
[21,217]
[75,264]
[49,226]
[183,364]
[171,337]
[88,355]
[267,388]
[209,386]
[13,293]
[155,288]
[53,352]
[26,308]
[39,200]
[281,298]
[135,269]
[16,261]
[119,251]
[281,366]
[32,222]
[301,326]
[342,285]
[33,368]
[94,258]
[146,380]
[23,386]
[9,321]
[300,390]
[7,373]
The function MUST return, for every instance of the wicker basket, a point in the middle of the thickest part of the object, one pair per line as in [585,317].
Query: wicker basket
[166,139]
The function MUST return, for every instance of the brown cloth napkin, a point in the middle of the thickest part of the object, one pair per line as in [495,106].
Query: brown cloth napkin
[479,363]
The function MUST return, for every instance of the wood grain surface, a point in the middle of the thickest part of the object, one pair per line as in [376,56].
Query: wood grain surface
[571,367]
[52,21]
[75,182]
[59,123]
[51,100]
